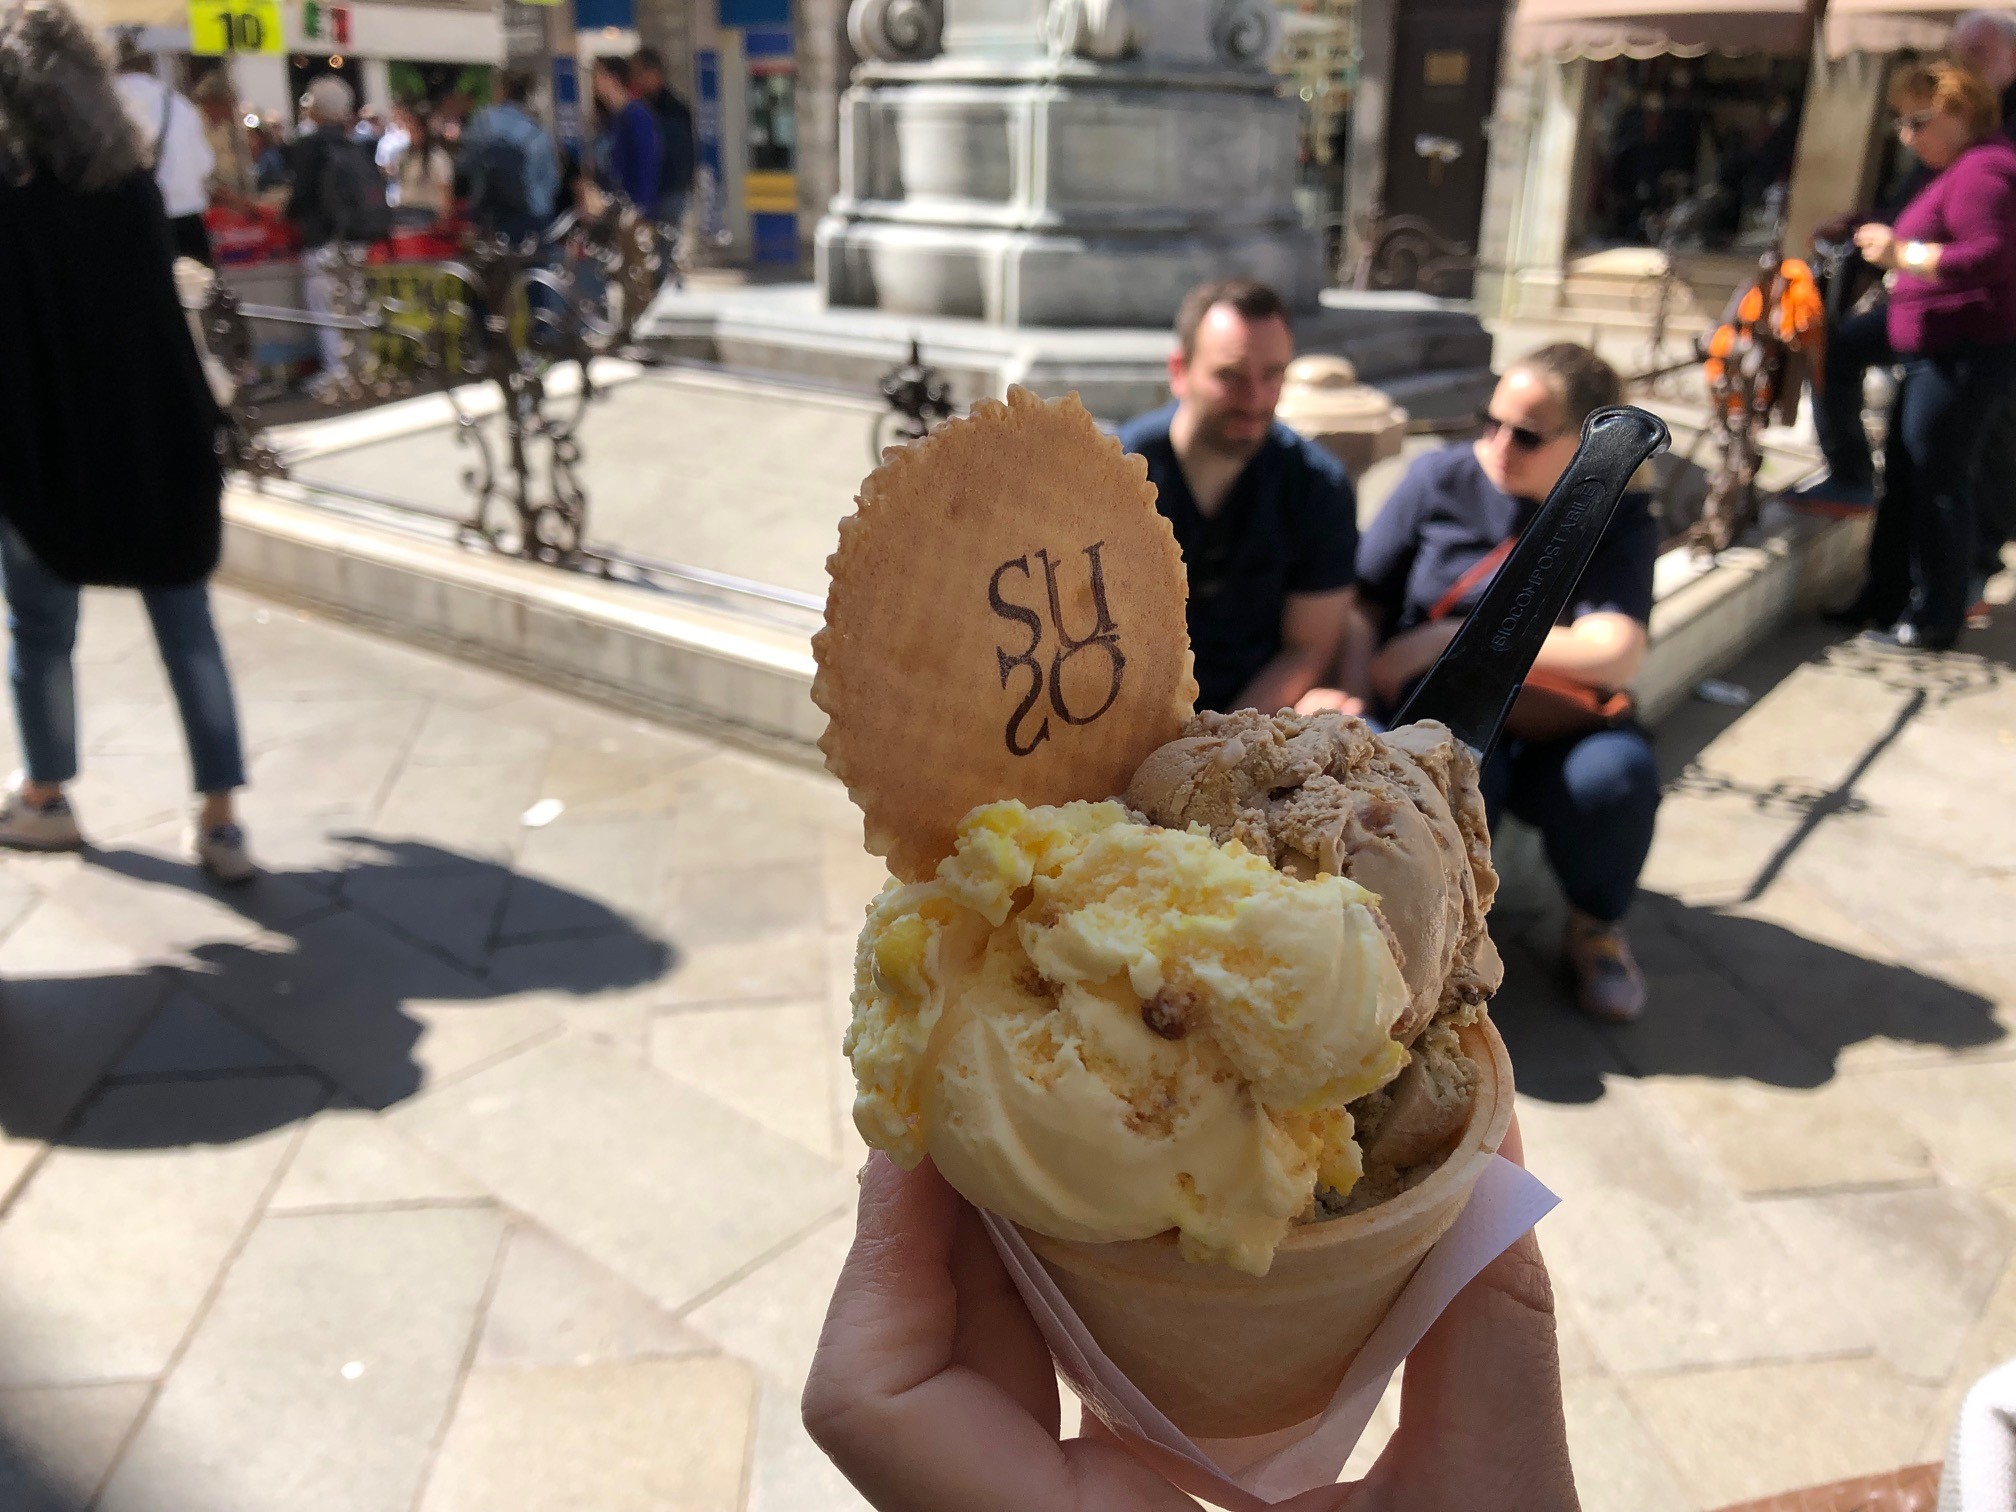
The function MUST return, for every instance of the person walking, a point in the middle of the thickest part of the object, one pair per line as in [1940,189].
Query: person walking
[337,204]
[108,427]
[1950,261]
[628,149]
[511,165]
[174,143]
[677,156]
[1574,762]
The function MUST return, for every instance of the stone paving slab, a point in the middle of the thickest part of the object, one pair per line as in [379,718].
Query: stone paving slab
[642,1436]
[558,1106]
[667,1188]
[108,1254]
[322,1374]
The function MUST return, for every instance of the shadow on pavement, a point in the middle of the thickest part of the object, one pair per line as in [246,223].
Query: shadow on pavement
[1758,1002]
[360,962]
[1736,996]
[26,1486]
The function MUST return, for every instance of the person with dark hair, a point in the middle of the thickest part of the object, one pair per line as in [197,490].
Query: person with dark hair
[1267,520]
[96,329]
[172,137]
[233,182]
[628,148]
[677,156]
[1574,762]
[510,164]
[1951,321]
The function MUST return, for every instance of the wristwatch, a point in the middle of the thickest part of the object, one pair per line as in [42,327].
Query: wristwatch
[1915,256]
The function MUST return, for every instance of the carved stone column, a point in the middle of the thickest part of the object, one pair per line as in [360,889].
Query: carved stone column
[1062,162]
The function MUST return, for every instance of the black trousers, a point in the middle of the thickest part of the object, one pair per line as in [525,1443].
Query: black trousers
[191,238]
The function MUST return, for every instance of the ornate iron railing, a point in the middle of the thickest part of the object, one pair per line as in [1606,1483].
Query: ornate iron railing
[511,313]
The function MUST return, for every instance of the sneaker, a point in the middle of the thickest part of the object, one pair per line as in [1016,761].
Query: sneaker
[220,851]
[1906,636]
[1831,493]
[50,826]
[1608,985]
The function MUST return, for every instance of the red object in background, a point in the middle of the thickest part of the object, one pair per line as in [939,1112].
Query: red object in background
[435,243]
[237,239]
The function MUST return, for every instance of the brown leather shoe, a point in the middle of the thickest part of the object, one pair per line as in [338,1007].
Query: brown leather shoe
[1608,985]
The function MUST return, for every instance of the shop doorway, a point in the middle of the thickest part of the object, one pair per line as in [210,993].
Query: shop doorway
[1691,154]
[1445,79]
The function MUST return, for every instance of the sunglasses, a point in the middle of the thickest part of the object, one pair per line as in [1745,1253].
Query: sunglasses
[1522,436]
[1917,120]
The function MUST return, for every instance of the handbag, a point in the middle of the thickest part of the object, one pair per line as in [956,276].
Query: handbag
[1549,706]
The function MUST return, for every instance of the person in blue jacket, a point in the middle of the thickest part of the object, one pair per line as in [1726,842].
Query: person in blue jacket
[629,148]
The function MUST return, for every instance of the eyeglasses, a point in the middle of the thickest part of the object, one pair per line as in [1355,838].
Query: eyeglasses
[1522,436]
[1916,121]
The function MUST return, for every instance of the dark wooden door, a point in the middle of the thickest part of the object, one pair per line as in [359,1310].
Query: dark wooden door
[1445,77]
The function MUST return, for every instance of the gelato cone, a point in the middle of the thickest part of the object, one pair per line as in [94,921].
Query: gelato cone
[1107,1031]
[1227,1355]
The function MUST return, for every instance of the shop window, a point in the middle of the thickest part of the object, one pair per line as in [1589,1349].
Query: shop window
[1686,152]
[773,115]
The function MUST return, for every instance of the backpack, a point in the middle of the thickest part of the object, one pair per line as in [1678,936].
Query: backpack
[497,169]
[675,145]
[353,193]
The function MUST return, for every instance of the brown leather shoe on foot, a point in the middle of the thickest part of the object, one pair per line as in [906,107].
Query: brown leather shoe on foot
[1608,985]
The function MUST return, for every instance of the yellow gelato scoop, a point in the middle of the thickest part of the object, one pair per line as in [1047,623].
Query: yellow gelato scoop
[1103,1030]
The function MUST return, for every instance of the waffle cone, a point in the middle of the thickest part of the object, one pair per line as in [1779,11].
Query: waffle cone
[1228,1355]
[1006,620]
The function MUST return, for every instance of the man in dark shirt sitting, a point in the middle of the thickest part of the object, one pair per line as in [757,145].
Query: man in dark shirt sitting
[1591,790]
[1267,521]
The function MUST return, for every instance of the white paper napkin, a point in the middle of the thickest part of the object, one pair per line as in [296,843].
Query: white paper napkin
[1247,1475]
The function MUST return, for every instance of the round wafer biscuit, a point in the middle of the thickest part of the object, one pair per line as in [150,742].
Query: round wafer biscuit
[1006,620]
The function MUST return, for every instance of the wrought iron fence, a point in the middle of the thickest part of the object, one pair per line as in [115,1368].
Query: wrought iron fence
[510,313]
[516,316]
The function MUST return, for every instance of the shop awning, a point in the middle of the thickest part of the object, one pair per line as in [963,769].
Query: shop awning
[1882,26]
[105,14]
[1647,28]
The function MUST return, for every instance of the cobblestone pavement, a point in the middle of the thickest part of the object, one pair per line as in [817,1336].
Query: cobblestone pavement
[492,1151]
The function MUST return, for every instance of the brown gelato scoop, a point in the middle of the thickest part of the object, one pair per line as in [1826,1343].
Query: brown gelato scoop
[1399,814]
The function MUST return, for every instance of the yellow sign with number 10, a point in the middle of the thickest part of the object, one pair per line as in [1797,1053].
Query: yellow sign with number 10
[217,27]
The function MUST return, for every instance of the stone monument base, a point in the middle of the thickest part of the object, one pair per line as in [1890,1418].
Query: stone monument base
[1429,356]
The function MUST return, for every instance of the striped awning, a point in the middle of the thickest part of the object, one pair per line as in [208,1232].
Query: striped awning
[1648,28]
[1884,26]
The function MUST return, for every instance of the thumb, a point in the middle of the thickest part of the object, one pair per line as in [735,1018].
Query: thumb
[1481,1423]
[890,1325]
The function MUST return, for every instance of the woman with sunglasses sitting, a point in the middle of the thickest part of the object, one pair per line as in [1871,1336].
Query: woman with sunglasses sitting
[1950,263]
[1573,763]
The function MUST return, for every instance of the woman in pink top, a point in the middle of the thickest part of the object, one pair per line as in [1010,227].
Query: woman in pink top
[1950,264]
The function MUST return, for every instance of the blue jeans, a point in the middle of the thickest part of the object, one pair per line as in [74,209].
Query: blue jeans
[42,616]
[1925,544]
[1593,798]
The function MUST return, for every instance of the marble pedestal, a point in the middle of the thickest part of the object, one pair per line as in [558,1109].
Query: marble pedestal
[1080,163]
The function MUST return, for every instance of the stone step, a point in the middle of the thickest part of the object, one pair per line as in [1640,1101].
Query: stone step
[685,658]
[743,669]
[1430,348]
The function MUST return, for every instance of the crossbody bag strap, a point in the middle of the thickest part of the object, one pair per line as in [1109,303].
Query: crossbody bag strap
[1481,569]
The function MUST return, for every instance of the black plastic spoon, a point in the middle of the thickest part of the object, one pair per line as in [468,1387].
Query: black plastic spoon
[1472,685]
